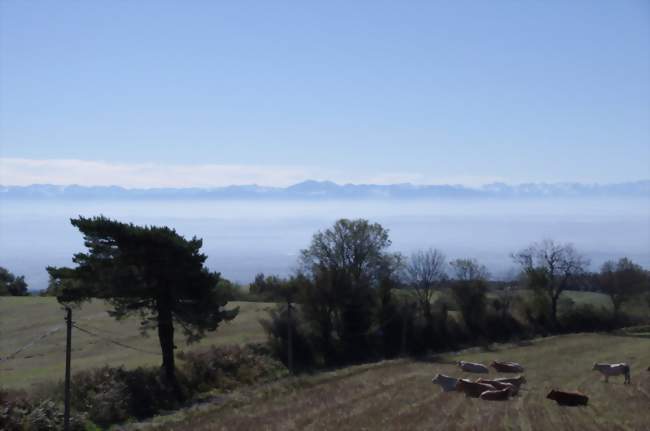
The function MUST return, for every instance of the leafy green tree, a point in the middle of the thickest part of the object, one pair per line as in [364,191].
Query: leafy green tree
[151,271]
[622,281]
[469,289]
[271,287]
[550,269]
[344,264]
[10,285]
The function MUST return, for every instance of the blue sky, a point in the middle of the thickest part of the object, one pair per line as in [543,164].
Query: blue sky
[184,93]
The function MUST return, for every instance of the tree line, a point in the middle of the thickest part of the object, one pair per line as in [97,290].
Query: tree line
[353,298]
[358,300]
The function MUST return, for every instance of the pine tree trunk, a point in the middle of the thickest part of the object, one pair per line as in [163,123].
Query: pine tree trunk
[166,338]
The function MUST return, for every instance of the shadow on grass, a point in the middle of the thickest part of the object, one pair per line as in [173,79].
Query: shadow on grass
[633,334]
[441,359]
[640,331]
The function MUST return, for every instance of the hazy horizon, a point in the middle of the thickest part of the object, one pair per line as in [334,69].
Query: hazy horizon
[314,180]
[243,237]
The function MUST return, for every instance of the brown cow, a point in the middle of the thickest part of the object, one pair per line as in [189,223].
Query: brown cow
[472,389]
[507,367]
[497,395]
[564,398]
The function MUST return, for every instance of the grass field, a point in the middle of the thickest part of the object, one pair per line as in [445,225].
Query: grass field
[399,395]
[24,319]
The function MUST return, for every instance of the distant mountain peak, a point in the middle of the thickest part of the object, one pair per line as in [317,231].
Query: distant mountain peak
[314,189]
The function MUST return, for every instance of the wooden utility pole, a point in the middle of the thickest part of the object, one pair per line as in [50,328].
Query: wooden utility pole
[68,349]
[289,337]
[404,332]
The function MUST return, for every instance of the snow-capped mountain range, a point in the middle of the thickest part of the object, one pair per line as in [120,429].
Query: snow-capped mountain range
[328,190]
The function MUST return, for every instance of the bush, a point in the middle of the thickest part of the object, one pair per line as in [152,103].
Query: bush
[48,415]
[503,327]
[13,409]
[113,395]
[276,327]
[17,413]
[441,332]
[110,395]
[226,368]
[587,318]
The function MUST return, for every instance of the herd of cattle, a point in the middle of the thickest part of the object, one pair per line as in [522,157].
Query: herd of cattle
[502,388]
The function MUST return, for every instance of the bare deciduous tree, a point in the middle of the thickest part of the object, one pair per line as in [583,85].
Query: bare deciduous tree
[425,272]
[550,267]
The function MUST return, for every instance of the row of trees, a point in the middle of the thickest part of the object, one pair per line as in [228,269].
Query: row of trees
[548,269]
[350,288]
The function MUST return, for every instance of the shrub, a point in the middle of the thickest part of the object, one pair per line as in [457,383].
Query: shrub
[587,318]
[149,393]
[13,409]
[277,326]
[102,393]
[113,395]
[502,327]
[17,413]
[439,333]
[48,415]
[228,367]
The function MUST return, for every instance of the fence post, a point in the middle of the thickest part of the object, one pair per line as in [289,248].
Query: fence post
[68,348]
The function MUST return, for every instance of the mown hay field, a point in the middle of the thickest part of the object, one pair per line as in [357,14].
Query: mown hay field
[399,395]
[25,319]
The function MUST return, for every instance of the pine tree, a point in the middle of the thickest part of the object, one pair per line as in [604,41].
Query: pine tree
[150,271]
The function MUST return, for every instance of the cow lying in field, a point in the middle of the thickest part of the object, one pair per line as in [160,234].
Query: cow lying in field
[507,367]
[564,398]
[516,381]
[500,385]
[447,383]
[497,394]
[473,367]
[472,389]
[613,370]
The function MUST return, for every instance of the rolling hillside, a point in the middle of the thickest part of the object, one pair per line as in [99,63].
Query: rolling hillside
[25,319]
[399,395]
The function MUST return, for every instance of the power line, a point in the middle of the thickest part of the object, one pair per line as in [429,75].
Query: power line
[117,343]
[93,328]
[31,343]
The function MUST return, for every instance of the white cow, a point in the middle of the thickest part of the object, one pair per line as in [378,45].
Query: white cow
[516,381]
[500,385]
[613,370]
[447,383]
[473,367]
